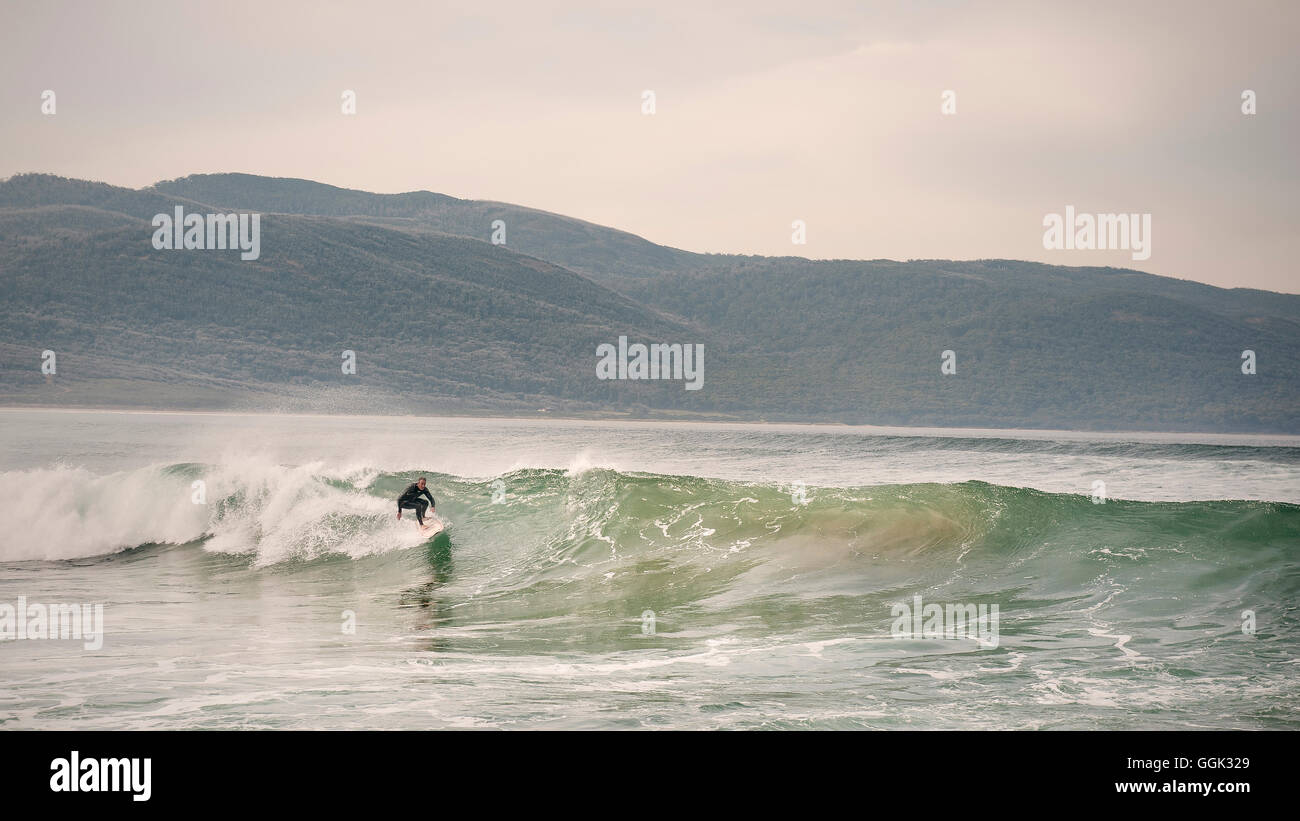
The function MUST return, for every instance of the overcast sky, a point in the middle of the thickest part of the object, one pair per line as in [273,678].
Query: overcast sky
[766,113]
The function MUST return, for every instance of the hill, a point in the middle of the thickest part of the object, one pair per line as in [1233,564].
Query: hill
[441,319]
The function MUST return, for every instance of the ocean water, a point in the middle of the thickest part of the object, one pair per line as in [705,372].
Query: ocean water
[252,574]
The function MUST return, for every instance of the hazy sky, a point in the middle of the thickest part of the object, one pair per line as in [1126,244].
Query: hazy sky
[766,113]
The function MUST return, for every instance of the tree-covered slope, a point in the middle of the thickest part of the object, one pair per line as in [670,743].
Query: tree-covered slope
[441,318]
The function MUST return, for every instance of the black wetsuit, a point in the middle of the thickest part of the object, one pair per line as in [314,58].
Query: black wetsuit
[410,499]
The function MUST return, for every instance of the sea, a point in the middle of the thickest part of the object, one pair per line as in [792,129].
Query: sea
[168,570]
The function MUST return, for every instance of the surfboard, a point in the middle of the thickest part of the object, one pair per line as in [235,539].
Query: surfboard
[432,527]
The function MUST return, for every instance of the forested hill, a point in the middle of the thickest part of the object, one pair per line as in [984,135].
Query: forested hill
[440,319]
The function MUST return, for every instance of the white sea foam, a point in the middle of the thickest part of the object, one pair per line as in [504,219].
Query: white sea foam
[247,505]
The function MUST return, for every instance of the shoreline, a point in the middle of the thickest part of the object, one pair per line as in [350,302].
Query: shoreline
[641,421]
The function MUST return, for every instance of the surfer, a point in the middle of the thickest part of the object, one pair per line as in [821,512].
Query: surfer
[410,499]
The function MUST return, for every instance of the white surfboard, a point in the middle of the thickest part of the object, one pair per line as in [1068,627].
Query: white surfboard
[432,526]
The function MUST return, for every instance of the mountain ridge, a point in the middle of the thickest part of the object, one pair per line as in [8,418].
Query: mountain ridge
[787,338]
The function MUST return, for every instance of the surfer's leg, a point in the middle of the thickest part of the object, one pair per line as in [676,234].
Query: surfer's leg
[420,507]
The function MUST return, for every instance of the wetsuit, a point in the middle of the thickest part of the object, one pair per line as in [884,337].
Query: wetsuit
[410,499]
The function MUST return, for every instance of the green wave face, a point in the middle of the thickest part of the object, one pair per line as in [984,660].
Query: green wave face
[698,601]
[590,552]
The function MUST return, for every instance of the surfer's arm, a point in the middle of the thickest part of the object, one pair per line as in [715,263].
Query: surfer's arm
[432,503]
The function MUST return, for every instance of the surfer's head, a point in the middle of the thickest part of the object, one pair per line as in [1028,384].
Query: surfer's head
[420,482]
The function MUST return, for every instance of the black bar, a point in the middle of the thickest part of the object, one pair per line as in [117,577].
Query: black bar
[674,770]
